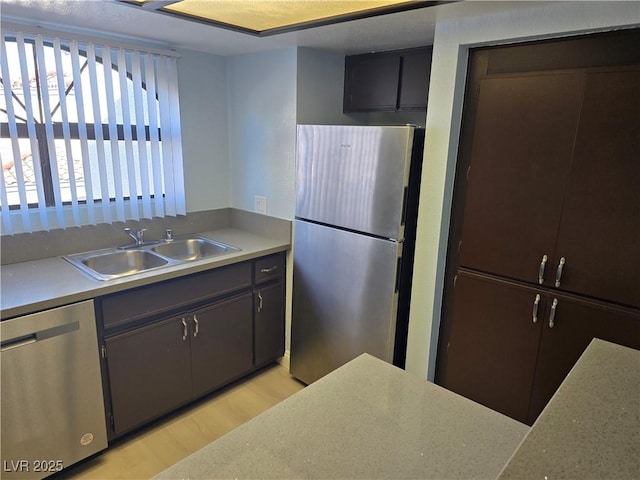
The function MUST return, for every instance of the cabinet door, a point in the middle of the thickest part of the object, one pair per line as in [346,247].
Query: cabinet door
[371,82]
[524,134]
[600,229]
[414,81]
[269,323]
[492,349]
[221,343]
[575,323]
[149,372]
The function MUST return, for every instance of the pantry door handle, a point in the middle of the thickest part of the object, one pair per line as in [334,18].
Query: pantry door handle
[184,329]
[197,325]
[535,308]
[552,315]
[559,271]
[259,302]
[543,264]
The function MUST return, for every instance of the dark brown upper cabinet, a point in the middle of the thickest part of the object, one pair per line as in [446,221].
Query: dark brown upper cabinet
[553,193]
[388,81]
[524,136]
[599,233]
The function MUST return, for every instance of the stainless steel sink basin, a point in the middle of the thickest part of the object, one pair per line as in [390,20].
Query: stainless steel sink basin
[190,249]
[111,263]
[108,264]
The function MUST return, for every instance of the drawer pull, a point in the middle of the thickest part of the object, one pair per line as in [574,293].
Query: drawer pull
[535,308]
[559,271]
[269,270]
[552,315]
[184,329]
[197,326]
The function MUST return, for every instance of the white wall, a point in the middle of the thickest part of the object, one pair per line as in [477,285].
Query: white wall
[451,44]
[202,83]
[262,130]
[320,80]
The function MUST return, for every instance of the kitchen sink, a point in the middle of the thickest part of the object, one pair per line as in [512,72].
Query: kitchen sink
[192,249]
[112,263]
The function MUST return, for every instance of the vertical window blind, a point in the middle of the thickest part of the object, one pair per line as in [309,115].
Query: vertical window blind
[90,133]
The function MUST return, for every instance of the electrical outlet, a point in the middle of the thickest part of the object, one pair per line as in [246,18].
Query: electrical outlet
[261,205]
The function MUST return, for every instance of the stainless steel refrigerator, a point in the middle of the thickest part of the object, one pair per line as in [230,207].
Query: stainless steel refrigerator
[354,233]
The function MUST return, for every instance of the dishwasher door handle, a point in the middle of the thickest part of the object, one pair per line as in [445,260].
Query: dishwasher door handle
[18,342]
[29,338]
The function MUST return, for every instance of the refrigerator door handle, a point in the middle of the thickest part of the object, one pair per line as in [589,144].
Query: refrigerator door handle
[398,274]
[405,202]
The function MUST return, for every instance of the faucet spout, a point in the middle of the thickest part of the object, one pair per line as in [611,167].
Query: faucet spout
[138,236]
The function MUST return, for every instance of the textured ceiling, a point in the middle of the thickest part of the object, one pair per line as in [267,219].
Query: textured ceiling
[397,30]
[261,15]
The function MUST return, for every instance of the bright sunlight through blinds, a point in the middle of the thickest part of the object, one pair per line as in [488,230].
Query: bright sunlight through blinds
[90,134]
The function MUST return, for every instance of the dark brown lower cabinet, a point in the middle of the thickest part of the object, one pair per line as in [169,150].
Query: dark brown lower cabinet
[491,354]
[221,343]
[149,372]
[269,322]
[166,344]
[511,345]
[576,322]
[154,369]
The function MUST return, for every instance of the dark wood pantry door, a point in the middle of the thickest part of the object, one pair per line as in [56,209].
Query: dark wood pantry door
[524,135]
[492,350]
[576,323]
[599,233]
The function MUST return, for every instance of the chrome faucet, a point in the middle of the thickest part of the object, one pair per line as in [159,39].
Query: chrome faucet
[138,236]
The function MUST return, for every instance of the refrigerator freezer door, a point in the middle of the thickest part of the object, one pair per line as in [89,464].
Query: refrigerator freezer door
[344,299]
[353,176]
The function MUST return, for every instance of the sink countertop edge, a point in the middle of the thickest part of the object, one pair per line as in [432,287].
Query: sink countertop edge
[28,287]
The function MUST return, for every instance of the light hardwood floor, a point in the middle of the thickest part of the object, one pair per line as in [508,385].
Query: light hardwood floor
[160,445]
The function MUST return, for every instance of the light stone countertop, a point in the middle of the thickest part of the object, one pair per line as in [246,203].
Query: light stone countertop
[36,285]
[591,427]
[367,419]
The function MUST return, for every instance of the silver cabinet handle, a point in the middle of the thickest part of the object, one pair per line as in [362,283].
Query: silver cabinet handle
[269,270]
[197,326]
[552,315]
[535,308]
[184,328]
[559,271]
[260,302]
[543,264]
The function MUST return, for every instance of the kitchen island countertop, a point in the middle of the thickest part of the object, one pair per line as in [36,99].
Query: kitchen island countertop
[367,419]
[591,427]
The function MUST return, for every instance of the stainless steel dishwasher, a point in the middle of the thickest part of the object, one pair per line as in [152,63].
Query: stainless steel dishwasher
[52,403]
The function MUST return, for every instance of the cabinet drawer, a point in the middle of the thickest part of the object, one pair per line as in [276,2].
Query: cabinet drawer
[269,268]
[173,294]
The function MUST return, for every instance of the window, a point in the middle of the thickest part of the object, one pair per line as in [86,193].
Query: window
[89,133]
